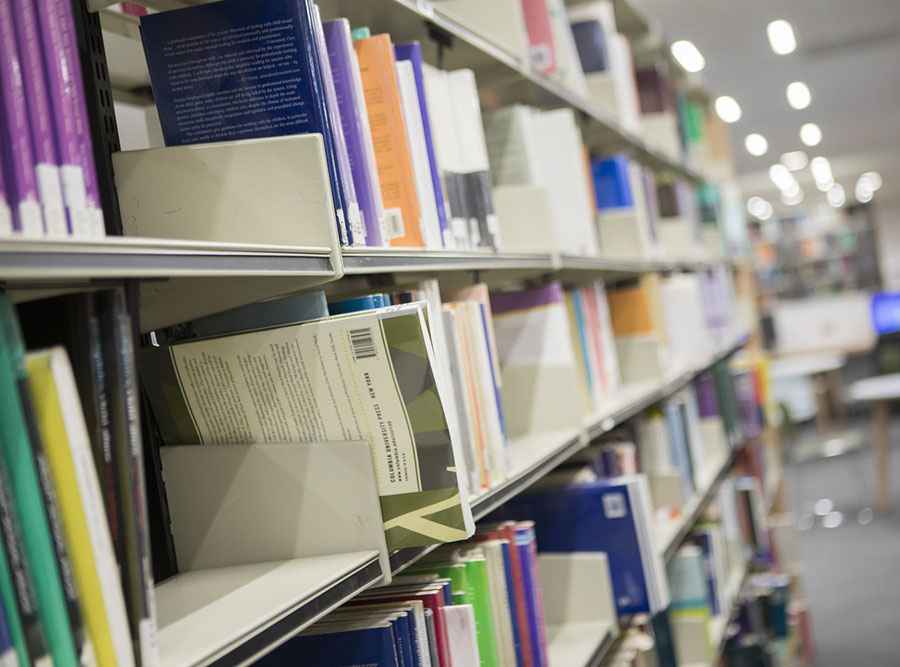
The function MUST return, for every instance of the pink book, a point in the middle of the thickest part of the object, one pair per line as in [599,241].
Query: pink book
[540,35]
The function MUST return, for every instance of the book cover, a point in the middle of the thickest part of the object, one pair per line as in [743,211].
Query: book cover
[418,625]
[125,431]
[261,315]
[631,311]
[235,94]
[612,186]
[68,104]
[16,153]
[592,320]
[465,648]
[541,49]
[412,52]
[711,574]
[518,650]
[679,448]
[37,102]
[582,352]
[591,45]
[392,156]
[17,589]
[496,553]
[64,435]
[333,646]
[16,441]
[357,228]
[287,385]
[357,304]
[687,581]
[355,124]
[429,223]
[526,544]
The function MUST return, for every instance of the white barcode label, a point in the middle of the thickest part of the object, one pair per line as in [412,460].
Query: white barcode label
[474,232]
[356,224]
[31,221]
[342,227]
[393,223]
[614,506]
[362,343]
[540,56]
[6,227]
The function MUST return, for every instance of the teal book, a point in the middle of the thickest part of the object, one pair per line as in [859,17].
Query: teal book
[16,449]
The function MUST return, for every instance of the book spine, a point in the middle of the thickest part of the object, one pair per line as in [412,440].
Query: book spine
[20,462]
[16,585]
[357,230]
[6,219]
[61,85]
[355,124]
[15,134]
[38,104]
[508,532]
[125,427]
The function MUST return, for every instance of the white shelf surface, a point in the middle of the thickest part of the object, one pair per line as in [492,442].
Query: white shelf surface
[246,610]
[579,643]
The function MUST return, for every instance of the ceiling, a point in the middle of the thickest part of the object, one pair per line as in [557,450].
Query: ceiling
[848,53]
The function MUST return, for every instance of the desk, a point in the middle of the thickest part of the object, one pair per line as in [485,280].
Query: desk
[880,391]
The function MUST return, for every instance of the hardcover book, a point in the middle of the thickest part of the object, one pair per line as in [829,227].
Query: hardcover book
[361,376]
[211,84]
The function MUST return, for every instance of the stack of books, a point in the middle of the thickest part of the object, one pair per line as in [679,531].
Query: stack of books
[403,141]
[75,570]
[48,183]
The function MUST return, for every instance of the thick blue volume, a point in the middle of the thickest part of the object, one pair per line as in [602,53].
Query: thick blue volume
[595,516]
[368,646]
[612,186]
[240,69]
[358,303]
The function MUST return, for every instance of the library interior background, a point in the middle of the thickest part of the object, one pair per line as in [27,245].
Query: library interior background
[449,333]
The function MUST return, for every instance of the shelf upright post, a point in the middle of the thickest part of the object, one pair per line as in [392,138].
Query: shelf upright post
[100,111]
[443,40]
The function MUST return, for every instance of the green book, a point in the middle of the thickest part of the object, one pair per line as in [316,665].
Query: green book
[368,375]
[472,579]
[16,449]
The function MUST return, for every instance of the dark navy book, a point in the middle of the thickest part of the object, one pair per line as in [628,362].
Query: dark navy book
[591,45]
[374,645]
[241,69]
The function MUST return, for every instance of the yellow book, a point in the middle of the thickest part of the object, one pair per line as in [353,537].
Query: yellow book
[65,438]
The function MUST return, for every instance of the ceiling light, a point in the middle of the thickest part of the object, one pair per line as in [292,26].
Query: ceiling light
[873,178]
[798,95]
[836,196]
[864,191]
[688,55]
[728,109]
[825,185]
[756,144]
[791,189]
[781,37]
[810,134]
[821,170]
[759,208]
[795,160]
[780,175]
[793,199]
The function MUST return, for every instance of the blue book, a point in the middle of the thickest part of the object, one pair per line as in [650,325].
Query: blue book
[525,543]
[513,610]
[413,53]
[494,379]
[403,637]
[209,86]
[676,429]
[704,541]
[262,315]
[591,45]
[612,186]
[582,340]
[598,516]
[329,646]
[358,303]
[687,581]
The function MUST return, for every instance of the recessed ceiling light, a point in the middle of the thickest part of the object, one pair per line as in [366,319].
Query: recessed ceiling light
[864,191]
[810,134]
[798,95]
[688,55]
[873,178]
[795,160]
[781,37]
[780,176]
[792,199]
[821,171]
[791,188]
[728,109]
[836,196]
[759,208]
[756,144]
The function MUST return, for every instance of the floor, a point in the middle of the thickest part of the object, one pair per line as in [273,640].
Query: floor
[851,570]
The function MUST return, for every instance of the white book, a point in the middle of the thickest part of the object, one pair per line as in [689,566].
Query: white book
[447,151]
[653,441]
[561,169]
[105,566]
[415,137]
[512,155]
[461,635]
[568,63]
[622,68]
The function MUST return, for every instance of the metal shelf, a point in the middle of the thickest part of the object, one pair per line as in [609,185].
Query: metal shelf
[393,260]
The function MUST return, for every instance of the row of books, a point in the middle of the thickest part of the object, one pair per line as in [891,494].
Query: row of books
[75,574]
[48,183]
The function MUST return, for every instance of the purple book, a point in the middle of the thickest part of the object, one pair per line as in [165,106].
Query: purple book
[16,154]
[355,124]
[37,102]
[505,302]
[413,53]
[707,402]
[67,102]
[351,202]
[6,222]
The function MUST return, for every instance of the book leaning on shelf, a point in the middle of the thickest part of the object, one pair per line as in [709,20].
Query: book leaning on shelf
[369,375]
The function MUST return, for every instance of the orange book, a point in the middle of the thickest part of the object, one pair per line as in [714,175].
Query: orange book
[392,158]
[631,311]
